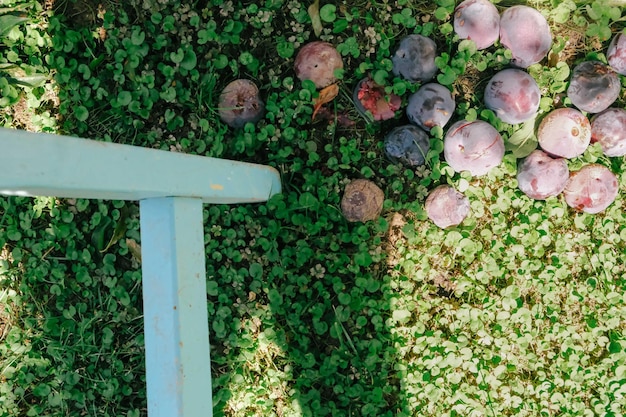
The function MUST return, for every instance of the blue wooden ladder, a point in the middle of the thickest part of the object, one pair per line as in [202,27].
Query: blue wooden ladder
[171,188]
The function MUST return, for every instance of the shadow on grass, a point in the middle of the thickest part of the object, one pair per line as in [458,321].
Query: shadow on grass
[298,299]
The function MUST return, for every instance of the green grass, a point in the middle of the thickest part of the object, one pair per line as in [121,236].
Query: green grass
[519,311]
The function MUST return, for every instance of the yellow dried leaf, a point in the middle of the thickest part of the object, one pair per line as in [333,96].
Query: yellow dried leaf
[326,95]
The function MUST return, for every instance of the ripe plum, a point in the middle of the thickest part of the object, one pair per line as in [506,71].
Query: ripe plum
[473,146]
[446,207]
[564,132]
[592,189]
[526,33]
[431,105]
[407,144]
[540,176]
[317,61]
[616,54]
[479,21]
[414,59]
[514,95]
[594,86]
[609,129]
[239,103]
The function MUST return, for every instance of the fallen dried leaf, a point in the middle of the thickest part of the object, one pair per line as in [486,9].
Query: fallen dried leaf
[326,95]
[314,14]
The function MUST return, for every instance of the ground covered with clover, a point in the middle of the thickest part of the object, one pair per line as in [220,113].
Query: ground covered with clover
[510,304]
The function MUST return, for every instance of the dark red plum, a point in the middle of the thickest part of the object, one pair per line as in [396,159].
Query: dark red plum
[317,61]
[446,207]
[432,105]
[540,176]
[525,32]
[616,54]
[414,59]
[407,144]
[239,103]
[371,100]
[609,129]
[594,86]
[514,95]
[473,146]
[479,21]
[564,132]
[592,189]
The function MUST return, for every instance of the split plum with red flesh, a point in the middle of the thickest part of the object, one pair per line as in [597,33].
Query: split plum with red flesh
[414,59]
[475,146]
[564,132]
[609,129]
[432,105]
[446,207]
[540,176]
[592,189]
[526,33]
[371,100]
[513,95]
[594,86]
[479,21]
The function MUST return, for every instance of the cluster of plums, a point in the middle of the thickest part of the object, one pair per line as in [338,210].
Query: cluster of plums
[476,146]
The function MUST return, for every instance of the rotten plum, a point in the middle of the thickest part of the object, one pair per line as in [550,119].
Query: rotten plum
[479,21]
[609,129]
[475,146]
[616,53]
[239,103]
[564,132]
[362,201]
[317,61]
[594,86]
[431,105]
[540,176]
[513,95]
[525,32]
[592,189]
[407,144]
[446,207]
[414,59]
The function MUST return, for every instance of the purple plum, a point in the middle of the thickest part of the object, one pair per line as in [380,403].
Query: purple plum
[609,129]
[473,146]
[564,132]
[592,189]
[594,86]
[414,59]
[479,21]
[616,54]
[317,61]
[239,103]
[407,144]
[540,176]
[431,105]
[446,207]
[514,95]
[525,32]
